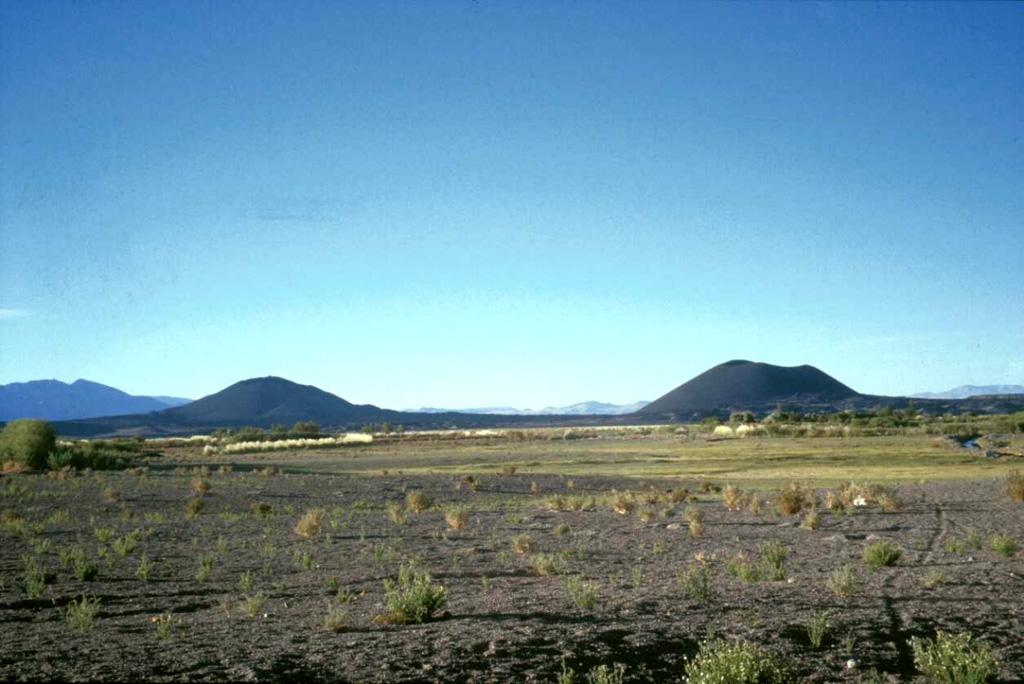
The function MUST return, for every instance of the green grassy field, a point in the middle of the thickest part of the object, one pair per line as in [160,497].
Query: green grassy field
[762,462]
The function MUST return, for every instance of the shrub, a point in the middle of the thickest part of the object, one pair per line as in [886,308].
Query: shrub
[336,618]
[602,674]
[522,543]
[80,615]
[773,560]
[253,604]
[733,498]
[955,659]
[144,569]
[1004,545]
[842,582]
[818,629]
[624,504]
[697,581]
[793,499]
[737,663]
[261,509]
[27,442]
[200,486]
[582,593]
[309,524]
[413,598]
[812,520]
[417,502]
[1015,485]
[882,554]
[456,518]
[547,564]
[193,507]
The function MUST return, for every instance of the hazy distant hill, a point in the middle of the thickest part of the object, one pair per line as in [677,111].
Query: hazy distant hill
[55,400]
[748,385]
[583,408]
[964,391]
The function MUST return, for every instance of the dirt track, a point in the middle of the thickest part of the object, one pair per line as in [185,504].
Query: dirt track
[504,623]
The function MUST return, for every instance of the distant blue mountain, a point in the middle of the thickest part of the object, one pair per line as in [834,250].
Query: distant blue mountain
[56,400]
[964,391]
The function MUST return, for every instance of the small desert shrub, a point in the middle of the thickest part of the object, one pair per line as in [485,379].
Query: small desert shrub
[125,545]
[742,569]
[933,579]
[417,502]
[732,498]
[200,486]
[818,629]
[1004,545]
[955,659]
[27,442]
[261,509]
[456,518]
[163,626]
[1015,485]
[773,560]
[560,529]
[246,583]
[83,569]
[309,524]
[522,543]
[205,566]
[954,546]
[882,554]
[812,520]
[738,662]
[709,488]
[696,529]
[194,507]
[253,604]
[647,515]
[795,498]
[889,501]
[679,495]
[755,505]
[602,674]
[80,615]
[336,618]
[547,564]
[413,598]
[975,540]
[103,534]
[697,581]
[36,577]
[582,593]
[624,504]
[144,569]
[110,493]
[842,582]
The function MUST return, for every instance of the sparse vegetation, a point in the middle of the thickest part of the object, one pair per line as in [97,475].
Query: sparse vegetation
[309,524]
[843,582]
[582,593]
[738,662]
[955,659]
[412,598]
[80,615]
[882,554]
[1004,545]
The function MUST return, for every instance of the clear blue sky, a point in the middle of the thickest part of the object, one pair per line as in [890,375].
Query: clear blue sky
[472,203]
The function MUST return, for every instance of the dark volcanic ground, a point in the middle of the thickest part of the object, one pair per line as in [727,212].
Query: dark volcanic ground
[504,623]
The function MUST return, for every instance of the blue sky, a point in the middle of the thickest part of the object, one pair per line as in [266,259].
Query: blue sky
[509,203]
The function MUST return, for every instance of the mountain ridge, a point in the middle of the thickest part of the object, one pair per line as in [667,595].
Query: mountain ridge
[57,400]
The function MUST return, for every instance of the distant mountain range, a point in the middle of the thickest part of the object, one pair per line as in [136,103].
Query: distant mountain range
[583,408]
[55,400]
[964,391]
[263,402]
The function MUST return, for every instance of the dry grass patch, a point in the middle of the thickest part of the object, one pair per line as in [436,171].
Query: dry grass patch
[417,502]
[309,524]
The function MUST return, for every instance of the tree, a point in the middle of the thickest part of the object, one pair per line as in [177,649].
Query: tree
[28,442]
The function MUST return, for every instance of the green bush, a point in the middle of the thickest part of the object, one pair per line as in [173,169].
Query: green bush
[882,554]
[27,442]
[955,659]
[739,662]
[413,598]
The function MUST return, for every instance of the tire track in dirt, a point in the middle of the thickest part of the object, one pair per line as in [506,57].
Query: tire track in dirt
[898,629]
